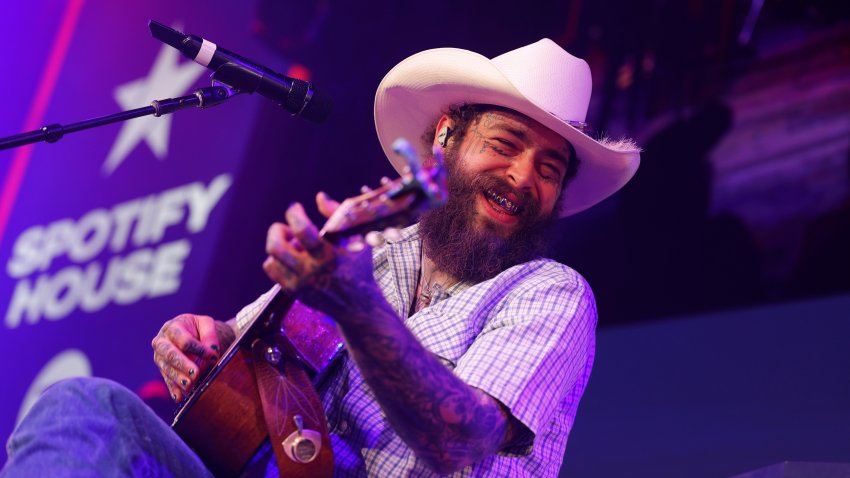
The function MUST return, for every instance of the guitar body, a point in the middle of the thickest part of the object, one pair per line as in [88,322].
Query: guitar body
[226,443]
[224,421]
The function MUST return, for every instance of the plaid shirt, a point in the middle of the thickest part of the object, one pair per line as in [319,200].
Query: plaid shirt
[526,337]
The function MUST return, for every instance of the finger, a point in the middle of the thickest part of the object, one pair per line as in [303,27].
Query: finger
[303,229]
[326,205]
[173,363]
[280,274]
[282,245]
[208,336]
[277,237]
[286,253]
[183,334]
[162,367]
[176,382]
[176,394]
[173,390]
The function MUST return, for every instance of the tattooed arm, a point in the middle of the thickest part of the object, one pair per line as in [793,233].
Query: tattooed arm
[448,423]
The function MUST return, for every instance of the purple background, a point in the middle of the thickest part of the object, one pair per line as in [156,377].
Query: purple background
[742,197]
[111,46]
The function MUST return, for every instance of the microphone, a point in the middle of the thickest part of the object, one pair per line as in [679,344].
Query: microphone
[296,96]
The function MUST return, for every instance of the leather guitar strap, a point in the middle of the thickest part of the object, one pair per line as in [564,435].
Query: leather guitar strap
[286,391]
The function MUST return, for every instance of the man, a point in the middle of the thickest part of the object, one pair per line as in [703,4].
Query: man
[467,353]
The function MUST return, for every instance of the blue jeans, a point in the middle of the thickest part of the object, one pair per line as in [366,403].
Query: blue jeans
[92,427]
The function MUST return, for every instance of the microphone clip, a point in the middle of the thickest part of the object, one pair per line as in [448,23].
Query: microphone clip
[201,98]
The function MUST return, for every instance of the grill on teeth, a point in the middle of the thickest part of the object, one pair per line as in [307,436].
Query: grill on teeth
[504,202]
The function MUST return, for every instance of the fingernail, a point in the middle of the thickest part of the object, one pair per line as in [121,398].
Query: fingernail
[191,372]
[214,347]
[213,357]
[174,396]
[184,382]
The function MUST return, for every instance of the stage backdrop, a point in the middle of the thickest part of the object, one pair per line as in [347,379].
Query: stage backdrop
[109,232]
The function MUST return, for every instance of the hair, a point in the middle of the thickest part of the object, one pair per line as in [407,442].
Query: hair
[464,115]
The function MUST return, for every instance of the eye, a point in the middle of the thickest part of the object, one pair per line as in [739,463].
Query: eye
[498,145]
[502,146]
[550,172]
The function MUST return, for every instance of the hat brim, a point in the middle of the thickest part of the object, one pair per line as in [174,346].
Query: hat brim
[414,94]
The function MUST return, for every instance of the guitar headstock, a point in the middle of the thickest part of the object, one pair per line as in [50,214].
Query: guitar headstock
[396,203]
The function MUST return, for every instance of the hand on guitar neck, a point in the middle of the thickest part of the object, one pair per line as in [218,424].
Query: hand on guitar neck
[333,278]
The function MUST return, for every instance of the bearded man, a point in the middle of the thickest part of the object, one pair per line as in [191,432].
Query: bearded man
[467,351]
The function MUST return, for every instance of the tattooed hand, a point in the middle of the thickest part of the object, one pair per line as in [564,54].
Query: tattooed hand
[186,347]
[332,278]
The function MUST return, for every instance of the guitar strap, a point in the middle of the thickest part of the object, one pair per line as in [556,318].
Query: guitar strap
[299,436]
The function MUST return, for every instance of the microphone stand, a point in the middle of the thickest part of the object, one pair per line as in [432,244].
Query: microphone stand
[200,98]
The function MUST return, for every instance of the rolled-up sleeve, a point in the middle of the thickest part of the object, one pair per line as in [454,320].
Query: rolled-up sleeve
[533,352]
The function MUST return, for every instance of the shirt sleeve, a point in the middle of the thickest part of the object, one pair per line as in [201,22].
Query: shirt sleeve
[532,353]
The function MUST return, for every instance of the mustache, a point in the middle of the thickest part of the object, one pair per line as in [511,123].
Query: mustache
[529,206]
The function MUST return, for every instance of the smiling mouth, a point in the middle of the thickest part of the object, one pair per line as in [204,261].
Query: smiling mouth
[504,204]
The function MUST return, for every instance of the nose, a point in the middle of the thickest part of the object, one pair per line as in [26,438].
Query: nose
[521,172]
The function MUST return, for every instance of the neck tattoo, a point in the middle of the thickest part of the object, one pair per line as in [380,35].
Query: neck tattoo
[432,283]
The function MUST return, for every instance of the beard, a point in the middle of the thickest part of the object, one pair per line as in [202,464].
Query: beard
[469,253]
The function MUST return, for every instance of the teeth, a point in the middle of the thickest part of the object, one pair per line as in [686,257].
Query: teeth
[504,202]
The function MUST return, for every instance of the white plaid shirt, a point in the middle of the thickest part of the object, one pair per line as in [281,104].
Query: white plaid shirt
[526,337]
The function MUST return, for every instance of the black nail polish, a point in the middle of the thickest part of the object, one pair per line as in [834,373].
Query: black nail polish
[184,382]
[174,396]
[191,372]
[214,347]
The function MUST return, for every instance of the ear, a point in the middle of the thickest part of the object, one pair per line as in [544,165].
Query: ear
[443,131]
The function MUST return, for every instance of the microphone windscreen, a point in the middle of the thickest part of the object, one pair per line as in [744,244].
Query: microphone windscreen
[318,108]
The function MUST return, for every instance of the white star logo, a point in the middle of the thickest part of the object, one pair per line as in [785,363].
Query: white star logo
[166,79]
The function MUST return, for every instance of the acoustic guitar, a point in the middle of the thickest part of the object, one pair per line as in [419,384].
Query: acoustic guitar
[262,387]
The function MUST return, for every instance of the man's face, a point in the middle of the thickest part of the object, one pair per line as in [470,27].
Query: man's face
[504,185]
[520,165]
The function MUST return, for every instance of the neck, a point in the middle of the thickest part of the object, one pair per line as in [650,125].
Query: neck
[432,283]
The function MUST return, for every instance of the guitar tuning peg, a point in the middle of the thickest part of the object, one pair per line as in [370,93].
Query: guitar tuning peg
[355,245]
[392,234]
[403,148]
[374,239]
[365,189]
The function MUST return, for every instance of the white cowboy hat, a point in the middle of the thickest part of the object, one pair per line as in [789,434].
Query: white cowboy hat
[541,81]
